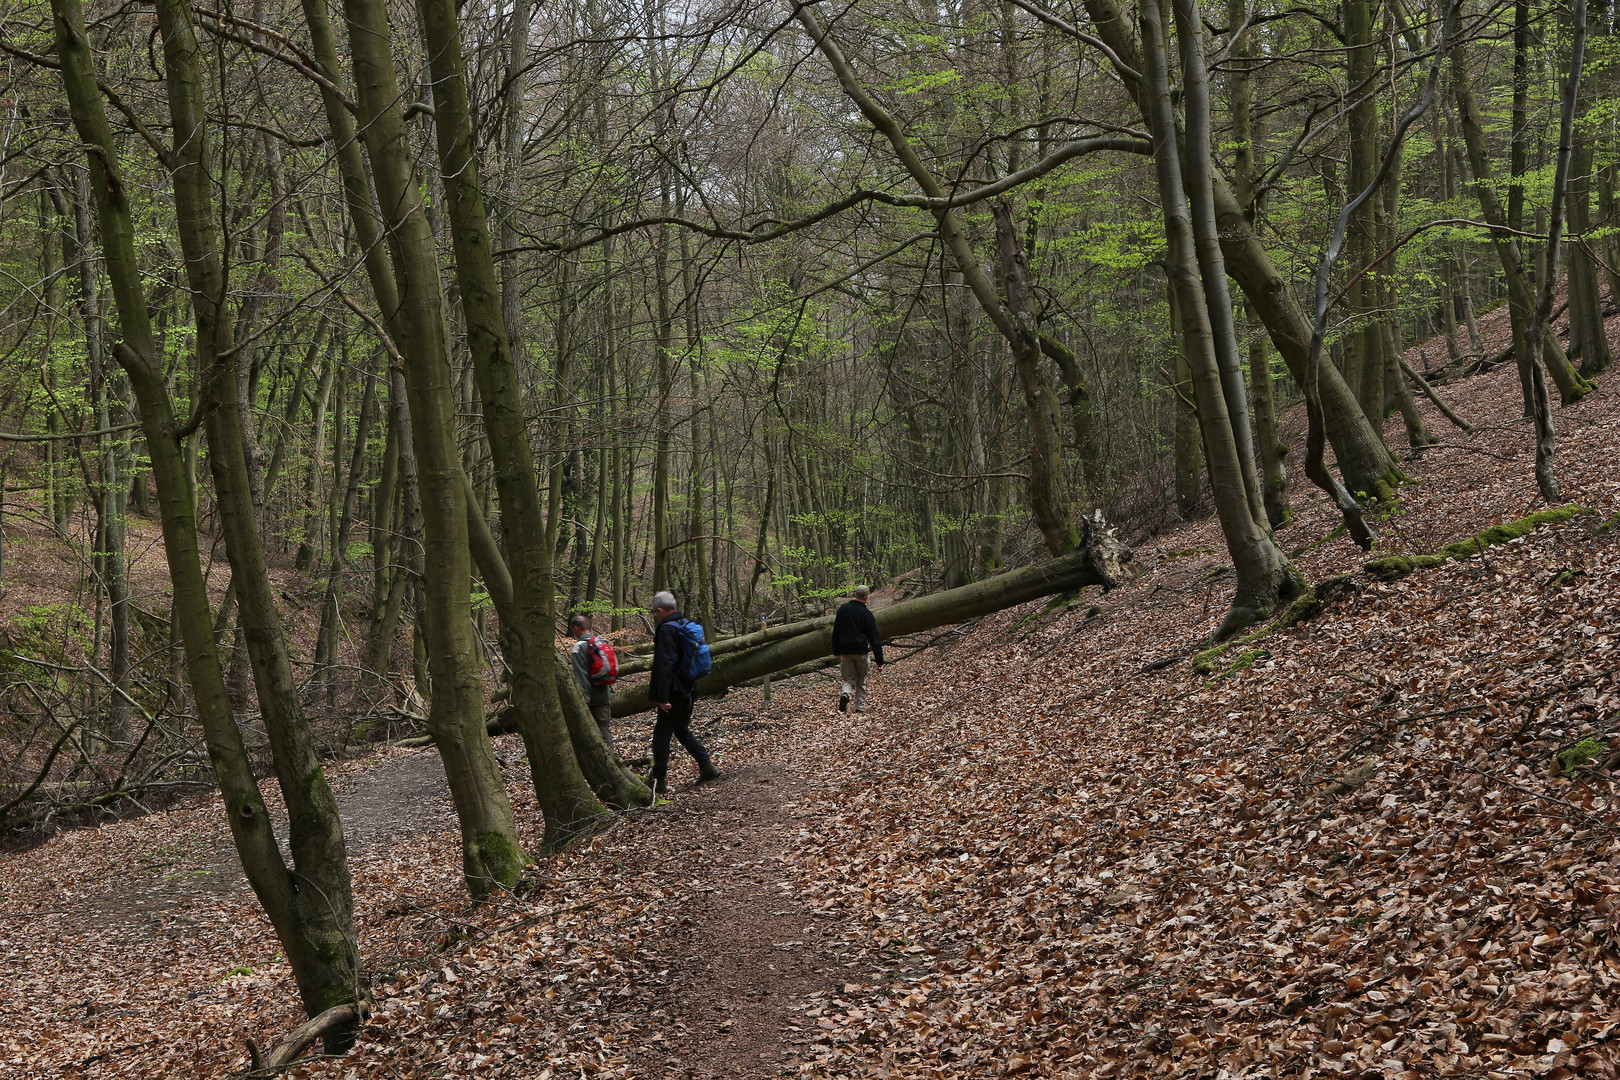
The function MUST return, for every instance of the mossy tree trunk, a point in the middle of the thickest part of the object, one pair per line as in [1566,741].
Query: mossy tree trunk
[528,628]
[312,923]
[414,309]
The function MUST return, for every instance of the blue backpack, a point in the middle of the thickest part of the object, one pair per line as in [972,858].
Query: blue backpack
[695,659]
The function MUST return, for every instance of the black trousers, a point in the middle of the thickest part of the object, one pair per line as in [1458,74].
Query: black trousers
[676,722]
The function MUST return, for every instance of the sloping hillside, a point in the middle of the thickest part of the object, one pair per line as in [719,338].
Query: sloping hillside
[1348,850]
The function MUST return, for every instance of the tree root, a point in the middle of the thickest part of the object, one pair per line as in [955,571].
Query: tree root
[299,1039]
[1304,606]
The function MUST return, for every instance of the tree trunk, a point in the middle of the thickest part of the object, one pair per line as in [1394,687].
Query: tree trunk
[110,496]
[1588,339]
[289,413]
[304,560]
[1264,575]
[1363,459]
[1189,447]
[661,422]
[313,923]
[1521,296]
[491,855]
[556,754]
[1364,360]
[388,577]
[326,642]
[610,780]
[1269,448]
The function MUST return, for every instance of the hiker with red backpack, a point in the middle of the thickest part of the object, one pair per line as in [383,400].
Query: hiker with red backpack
[596,669]
[680,659]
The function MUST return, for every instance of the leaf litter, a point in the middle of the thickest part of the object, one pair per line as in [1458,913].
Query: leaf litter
[1353,855]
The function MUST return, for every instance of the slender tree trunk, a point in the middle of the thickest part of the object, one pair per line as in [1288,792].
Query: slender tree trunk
[556,754]
[1588,339]
[1609,246]
[110,496]
[1189,446]
[1392,384]
[1541,317]
[1268,448]
[666,391]
[1364,346]
[326,642]
[304,560]
[295,400]
[387,577]
[1363,459]
[1521,295]
[313,922]
[491,854]
[1264,575]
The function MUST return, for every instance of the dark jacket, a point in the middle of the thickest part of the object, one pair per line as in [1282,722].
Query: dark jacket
[855,630]
[668,649]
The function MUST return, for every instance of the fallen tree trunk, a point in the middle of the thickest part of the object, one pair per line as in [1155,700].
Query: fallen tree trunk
[827,662]
[780,632]
[1097,561]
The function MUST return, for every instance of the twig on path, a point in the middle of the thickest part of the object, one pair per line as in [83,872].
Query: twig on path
[1534,794]
[1472,450]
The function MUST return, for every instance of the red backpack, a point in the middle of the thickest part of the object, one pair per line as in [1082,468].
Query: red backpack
[601,662]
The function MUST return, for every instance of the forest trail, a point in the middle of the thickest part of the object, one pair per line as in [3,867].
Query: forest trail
[744,947]
[1346,850]
[380,806]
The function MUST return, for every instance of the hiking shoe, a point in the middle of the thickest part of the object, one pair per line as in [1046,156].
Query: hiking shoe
[707,773]
[658,785]
[843,702]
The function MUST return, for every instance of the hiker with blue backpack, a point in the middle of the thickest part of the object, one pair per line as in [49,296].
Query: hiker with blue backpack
[680,659]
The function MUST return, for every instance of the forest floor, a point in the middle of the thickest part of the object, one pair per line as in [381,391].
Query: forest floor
[1348,851]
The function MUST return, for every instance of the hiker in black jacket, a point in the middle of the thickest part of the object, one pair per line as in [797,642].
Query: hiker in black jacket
[672,694]
[855,630]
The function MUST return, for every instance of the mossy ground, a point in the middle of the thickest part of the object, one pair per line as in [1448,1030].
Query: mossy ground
[1581,754]
[1393,567]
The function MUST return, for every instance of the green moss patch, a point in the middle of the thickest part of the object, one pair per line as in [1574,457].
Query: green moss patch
[1580,755]
[1302,607]
[1393,567]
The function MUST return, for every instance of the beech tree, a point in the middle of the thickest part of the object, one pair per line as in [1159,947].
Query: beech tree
[751,303]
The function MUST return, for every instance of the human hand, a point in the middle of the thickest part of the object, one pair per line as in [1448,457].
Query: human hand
[664,707]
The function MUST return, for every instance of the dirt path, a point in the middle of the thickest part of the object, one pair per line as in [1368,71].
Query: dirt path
[747,950]
[731,981]
[378,806]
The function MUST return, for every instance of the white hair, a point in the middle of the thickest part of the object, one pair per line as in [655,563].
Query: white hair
[862,592]
[664,600]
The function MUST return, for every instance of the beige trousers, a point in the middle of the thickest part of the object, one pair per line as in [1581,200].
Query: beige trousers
[853,669]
